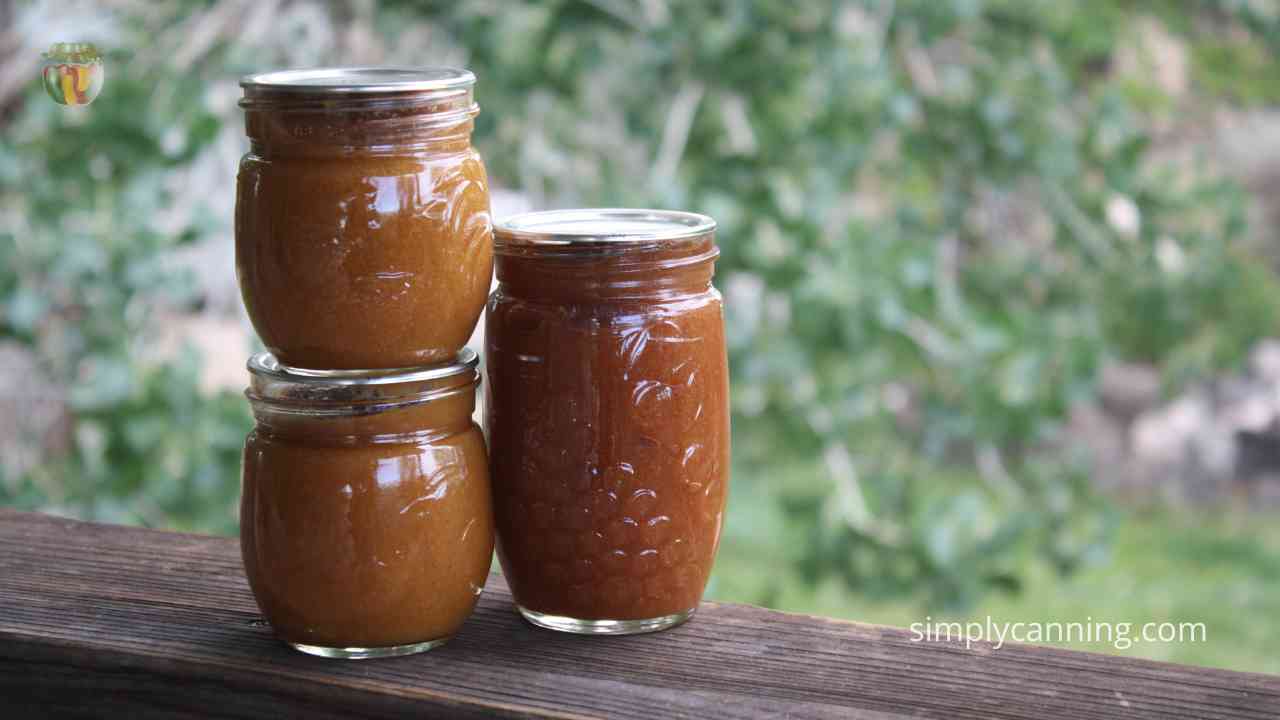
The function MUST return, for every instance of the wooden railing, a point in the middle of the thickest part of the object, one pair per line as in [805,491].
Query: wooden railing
[99,620]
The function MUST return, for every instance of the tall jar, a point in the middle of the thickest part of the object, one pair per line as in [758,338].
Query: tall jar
[363,235]
[366,522]
[607,413]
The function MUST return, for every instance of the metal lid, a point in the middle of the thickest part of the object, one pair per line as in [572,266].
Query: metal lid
[595,226]
[271,381]
[361,80]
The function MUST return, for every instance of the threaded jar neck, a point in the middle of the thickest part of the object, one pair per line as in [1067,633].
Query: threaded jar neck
[605,254]
[377,110]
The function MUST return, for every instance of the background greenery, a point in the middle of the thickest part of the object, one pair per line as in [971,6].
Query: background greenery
[939,219]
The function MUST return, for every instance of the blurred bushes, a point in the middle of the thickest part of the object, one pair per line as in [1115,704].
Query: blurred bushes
[88,197]
[938,218]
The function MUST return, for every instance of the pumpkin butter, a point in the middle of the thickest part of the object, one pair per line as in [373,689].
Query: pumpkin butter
[366,520]
[607,416]
[363,234]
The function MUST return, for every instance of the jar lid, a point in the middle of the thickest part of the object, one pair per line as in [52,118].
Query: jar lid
[595,226]
[361,80]
[273,382]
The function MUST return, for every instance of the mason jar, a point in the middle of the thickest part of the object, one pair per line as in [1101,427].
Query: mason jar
[363,236]
[366,524]
[607,414]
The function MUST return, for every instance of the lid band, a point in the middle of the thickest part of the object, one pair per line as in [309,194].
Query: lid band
[600,227]
[271,381]
[361,80]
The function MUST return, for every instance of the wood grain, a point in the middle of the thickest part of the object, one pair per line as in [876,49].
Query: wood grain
[97,620]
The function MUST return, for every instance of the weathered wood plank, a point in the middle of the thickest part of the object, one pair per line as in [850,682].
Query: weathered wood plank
[98,619]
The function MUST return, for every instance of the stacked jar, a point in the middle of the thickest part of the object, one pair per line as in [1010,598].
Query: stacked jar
[364,253]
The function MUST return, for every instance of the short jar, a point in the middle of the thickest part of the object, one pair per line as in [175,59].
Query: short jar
[363,235]
[366,524]
[607,413]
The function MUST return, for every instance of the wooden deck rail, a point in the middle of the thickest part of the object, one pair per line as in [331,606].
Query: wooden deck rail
[98,620]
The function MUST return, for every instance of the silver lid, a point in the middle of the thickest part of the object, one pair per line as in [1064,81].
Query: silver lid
[273,382]
[601,225]
[361,80]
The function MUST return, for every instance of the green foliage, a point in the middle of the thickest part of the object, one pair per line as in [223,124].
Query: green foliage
[1241,65]
[83,275]
[1215,566]
[1243,72]
[938,218]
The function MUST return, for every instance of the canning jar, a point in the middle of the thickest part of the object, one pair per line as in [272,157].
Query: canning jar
[607,413]
[363,236]
[366,523]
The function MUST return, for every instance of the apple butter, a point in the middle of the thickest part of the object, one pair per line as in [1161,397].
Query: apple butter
[607,413]
[363,235]
[366,523]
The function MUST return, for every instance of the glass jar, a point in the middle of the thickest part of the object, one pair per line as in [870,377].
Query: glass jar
[366,523]
[363,236]
[607,413]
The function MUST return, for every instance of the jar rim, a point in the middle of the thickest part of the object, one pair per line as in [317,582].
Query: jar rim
[271,381]
[600,227]
[368,79]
